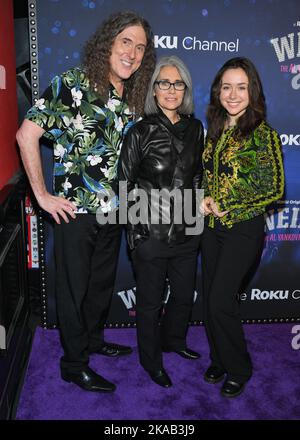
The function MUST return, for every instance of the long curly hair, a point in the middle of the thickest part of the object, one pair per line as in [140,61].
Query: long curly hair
[255,112]
[97,52]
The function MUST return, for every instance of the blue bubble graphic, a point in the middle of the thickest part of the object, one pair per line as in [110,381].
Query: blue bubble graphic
[72,32]
[204,12]
[206,98]
[188,42]
[55,30]
[92,5]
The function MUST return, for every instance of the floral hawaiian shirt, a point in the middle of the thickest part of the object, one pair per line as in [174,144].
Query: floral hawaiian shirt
[87,135]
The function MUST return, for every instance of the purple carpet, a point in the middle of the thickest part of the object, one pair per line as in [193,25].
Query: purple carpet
[272,393]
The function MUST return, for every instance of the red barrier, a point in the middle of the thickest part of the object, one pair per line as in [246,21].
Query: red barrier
[9,161]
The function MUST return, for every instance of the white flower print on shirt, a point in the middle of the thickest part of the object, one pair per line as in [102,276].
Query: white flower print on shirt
[77,97]
[112,103]
[105,206]
[89,128]
[105,171]
[119,124]
[40,104]
[78,122]
[93,159]
[59,150]
[67,166]
[67,185]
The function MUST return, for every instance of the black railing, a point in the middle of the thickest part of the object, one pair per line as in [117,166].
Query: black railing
[15,335]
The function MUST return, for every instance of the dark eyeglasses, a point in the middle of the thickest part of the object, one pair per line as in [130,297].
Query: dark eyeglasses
[165,85]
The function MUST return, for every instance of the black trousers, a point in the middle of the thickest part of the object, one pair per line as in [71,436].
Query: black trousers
[86,261]
[228,256]
[154,261]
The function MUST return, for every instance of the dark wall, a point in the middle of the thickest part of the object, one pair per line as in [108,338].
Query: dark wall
[16,329]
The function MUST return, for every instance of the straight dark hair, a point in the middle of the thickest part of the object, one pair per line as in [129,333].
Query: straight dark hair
[255,112]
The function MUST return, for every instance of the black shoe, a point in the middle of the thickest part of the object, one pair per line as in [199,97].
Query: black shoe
[161,378]
[232,389]
[113,350]
[88,380]
[214,374]
[188,354]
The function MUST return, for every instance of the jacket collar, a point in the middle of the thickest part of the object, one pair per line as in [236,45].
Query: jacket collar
[178,143]
[166,121]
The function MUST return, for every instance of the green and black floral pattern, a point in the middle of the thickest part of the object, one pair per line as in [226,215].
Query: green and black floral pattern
[245,176]
[87,135]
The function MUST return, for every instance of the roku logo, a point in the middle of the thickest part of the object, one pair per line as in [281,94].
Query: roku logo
[2,77]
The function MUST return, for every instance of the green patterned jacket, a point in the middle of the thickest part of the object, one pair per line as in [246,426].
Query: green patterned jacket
[244,176]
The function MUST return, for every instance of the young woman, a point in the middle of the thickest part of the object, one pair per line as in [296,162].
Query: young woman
[243,173]
[164,152]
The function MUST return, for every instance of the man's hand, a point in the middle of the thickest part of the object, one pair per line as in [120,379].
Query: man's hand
[28,137]
[57,207]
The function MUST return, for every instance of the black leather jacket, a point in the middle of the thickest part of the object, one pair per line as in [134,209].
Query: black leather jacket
[159,155]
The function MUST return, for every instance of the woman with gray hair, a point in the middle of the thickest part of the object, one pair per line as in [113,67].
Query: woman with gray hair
[162,154]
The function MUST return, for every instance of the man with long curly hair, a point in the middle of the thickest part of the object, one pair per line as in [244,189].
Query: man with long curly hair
[85,112]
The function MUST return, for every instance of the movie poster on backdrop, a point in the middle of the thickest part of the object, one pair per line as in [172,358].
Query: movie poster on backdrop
[204,34]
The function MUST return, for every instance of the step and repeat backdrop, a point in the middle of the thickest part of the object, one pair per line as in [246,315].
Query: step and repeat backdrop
[204,33]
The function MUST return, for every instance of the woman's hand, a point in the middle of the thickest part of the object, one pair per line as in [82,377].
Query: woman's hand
[215,210]
[209,206]
[205,207]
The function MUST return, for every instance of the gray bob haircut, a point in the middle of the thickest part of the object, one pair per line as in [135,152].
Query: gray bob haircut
[187,106]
